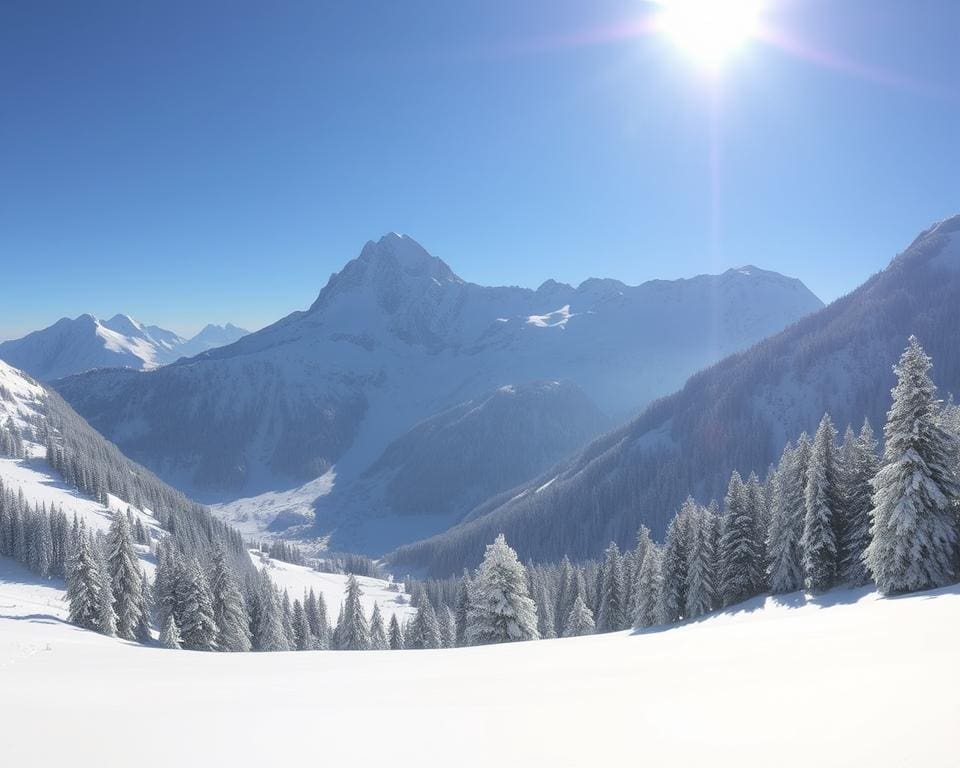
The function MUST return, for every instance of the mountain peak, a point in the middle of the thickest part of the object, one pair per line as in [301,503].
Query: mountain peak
[407,253]
[124,325]
[384,265]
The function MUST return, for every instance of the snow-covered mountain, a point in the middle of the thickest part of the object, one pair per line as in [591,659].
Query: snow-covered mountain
[395,338]
[73,346]
[736,415]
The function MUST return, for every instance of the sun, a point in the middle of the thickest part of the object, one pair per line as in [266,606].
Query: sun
[709,31]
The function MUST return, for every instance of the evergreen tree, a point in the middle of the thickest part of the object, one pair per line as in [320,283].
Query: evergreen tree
[198,630]
[913,528]
[142,630]
[378,635]
[303,638]
[580,621]
[268,634]
[354,632]
[169,634]
[448,627]
[286,620]
[860,467]
[675,562]
[546,621]
[650,590]
[229,608]
[425,629]
[396,634]
[566,594]
[822,511]
[741,563]
[784,568]
[463,609]
[84,584]
[612,616]
[125,580]
[701,593]
[500,609]
[644,544]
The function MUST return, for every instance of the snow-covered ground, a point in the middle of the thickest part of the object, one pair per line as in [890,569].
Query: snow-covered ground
[38,481]
[848,680]
[297,579]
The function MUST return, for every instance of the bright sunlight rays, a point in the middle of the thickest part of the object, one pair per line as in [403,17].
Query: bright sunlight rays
[709,31]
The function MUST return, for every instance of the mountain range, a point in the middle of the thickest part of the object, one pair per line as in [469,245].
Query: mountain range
[737,415]
[84,343]
[327,417]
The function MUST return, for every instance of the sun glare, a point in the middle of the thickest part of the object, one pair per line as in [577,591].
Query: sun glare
[709,31]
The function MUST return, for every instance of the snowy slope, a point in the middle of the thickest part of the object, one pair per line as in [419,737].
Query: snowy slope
[395,338]
[297,579]
[38,482]
[73,346]
[865,681]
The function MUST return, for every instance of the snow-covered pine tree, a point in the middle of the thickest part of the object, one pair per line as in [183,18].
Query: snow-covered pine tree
[644,543]
[378,635]
[650,590]
[701,593]
[546,621]
[336,642]
[612,616]
[462,610]
[302,636]
[913,530]
[169,634]
[784,567]
[741,556]
[108,619]
[142,630]
[354,630]
[565,594]
[759,510]
[311,610]
[448,627]
[268,634]
[425,627]
[822,515]
[198,630]
[580,622]
[501,610]
[324,635]
[395,634]
[165,583]
[84,583]
[125,581]
[860,467]
[229,607]
[286,619]
[675,559]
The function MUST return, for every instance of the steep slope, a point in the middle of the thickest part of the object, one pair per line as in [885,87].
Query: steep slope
[89,477]
[73,346]
[395,338]
[736,415]
[797,682]
[427,479]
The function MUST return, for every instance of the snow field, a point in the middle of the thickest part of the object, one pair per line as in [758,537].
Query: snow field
[333,586]
[850,679]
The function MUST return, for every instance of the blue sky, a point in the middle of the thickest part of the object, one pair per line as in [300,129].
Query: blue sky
[189,162]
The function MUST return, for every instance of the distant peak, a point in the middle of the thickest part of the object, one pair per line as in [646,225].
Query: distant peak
[385,263]
[403,249]
[124,325]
